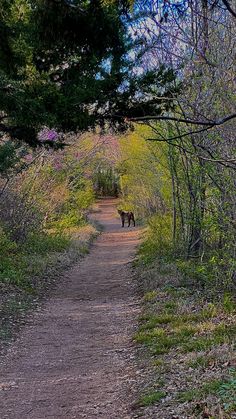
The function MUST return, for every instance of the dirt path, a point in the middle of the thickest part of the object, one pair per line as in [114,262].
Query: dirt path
[74,358]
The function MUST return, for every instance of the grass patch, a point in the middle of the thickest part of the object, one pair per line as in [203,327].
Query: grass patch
[159,363]
[150,296]
[199,393]
[229,304]
[151,398]
[151,321]
[201,343]
[170,307]
[201,361]
[227,393]
[31,258]
[149,336]
[224,389]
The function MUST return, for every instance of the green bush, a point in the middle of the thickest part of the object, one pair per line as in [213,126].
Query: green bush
[6,245]
[158,240]
[84,198]
[15,259]
[73,218]
[45,243]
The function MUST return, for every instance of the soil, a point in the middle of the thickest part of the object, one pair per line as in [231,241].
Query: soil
[75,357]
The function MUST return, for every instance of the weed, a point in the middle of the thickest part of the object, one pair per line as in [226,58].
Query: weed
[159,362]
[226,331]
[200,343]
[165,343]
[44,243]
[185,331]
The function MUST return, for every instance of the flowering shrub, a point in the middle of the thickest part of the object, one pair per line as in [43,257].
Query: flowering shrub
[47,134]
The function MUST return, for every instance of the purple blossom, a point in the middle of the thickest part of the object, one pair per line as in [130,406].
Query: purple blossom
[58,166]
[47,134]
[28,158]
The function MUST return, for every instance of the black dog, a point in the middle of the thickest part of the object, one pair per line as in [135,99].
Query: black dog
[126,215]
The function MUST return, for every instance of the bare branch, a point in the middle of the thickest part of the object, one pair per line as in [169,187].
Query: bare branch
[229,8]
[224,162]
[209,124]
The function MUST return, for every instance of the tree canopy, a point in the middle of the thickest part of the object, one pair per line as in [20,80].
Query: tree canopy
[67,64]
[59,59]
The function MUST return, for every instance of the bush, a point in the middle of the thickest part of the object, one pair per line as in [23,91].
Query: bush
[16,258]
[71,219]
[6,245]
[158,240]
[45,243]
[18,217]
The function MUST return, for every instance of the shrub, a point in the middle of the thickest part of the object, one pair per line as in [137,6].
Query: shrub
[158,240]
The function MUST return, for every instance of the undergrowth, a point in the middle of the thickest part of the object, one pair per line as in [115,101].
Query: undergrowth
[18,261]
[189,332]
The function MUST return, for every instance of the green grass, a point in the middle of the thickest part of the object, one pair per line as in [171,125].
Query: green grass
[181,332]
[227,393]
[162,340]
[45,243]
[202,343]
[30,258]
[151,398]
[151,321]
[159,362]
[224,389]
[199,393]
[170,307]
[201,361]
[229,304]
[149,336]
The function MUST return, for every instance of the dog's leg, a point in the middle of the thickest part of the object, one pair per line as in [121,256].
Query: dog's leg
[129,220]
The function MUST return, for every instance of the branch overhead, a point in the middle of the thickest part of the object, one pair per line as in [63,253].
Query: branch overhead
[229,8]
[183,120]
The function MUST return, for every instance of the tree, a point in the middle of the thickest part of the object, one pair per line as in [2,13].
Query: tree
[59,61]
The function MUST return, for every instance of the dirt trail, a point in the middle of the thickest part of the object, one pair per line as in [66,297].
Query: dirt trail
[74,357]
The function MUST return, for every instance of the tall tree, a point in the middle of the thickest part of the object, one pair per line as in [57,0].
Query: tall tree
[59,61]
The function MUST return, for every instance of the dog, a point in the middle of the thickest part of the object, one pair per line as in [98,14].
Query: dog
[129,215]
